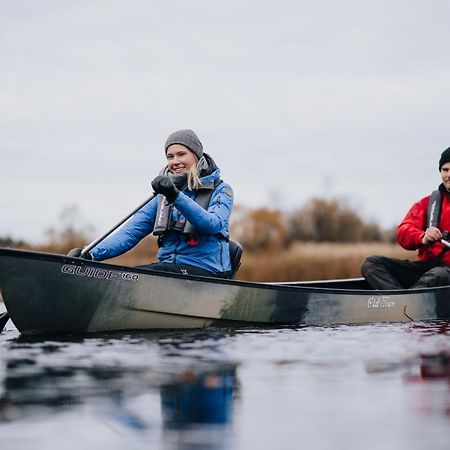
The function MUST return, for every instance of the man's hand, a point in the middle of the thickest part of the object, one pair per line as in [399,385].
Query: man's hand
[162,184]
[431,236]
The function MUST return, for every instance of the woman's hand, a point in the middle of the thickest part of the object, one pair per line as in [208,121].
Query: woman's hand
[76,253]
[163,184]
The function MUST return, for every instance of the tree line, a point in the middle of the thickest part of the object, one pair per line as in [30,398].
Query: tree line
[261,229]
[320,220]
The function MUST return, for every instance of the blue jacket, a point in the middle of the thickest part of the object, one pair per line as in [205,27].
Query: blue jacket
[212,251]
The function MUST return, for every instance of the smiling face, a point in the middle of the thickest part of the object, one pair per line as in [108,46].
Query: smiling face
[179,159]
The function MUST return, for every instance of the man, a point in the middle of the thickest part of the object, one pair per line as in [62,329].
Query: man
[423,228]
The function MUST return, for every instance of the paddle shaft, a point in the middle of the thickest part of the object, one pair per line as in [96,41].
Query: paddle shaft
[114,228]
[445,243]
[4,317]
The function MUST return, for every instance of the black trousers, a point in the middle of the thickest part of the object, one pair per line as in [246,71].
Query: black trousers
[382,272]
[184,269]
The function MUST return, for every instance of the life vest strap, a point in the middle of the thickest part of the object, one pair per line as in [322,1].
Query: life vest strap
[434,209]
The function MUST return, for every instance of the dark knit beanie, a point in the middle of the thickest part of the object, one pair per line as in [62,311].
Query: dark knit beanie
[445,158]
[187,138]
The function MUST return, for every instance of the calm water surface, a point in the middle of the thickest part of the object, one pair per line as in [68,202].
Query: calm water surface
[339,387]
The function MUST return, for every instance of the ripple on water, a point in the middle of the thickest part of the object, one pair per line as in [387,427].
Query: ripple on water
[361,386]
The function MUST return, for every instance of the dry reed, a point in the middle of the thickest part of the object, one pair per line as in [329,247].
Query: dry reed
[314,261]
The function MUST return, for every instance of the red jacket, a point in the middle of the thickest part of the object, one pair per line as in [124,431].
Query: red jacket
[412,228]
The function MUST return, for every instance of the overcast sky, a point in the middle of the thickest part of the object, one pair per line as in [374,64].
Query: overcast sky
[292,98]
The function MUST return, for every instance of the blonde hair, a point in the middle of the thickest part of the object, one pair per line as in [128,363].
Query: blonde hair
[193,177]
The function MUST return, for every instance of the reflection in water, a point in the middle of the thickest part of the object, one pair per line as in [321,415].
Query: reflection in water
[434,359]
[199,398]
[66,374]
[181,390]
[197,409]
[434,368]
[438,327]
[42,375]
[426,368]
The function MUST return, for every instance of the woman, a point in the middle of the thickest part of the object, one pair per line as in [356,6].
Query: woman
[190,215]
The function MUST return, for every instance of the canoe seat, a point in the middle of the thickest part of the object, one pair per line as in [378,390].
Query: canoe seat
[235,256]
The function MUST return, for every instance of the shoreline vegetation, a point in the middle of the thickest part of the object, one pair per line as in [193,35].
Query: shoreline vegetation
[302,261]
[325,239]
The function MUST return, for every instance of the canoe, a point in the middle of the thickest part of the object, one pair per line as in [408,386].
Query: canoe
[48,293]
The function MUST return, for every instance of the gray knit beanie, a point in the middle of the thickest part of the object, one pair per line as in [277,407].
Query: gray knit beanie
[187,138]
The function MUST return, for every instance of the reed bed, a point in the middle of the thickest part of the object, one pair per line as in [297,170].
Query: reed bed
[314,261]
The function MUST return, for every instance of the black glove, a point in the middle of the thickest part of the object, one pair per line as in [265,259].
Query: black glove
[76,253]
[162,184]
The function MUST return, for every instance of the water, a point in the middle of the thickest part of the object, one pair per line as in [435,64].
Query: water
[339,387]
